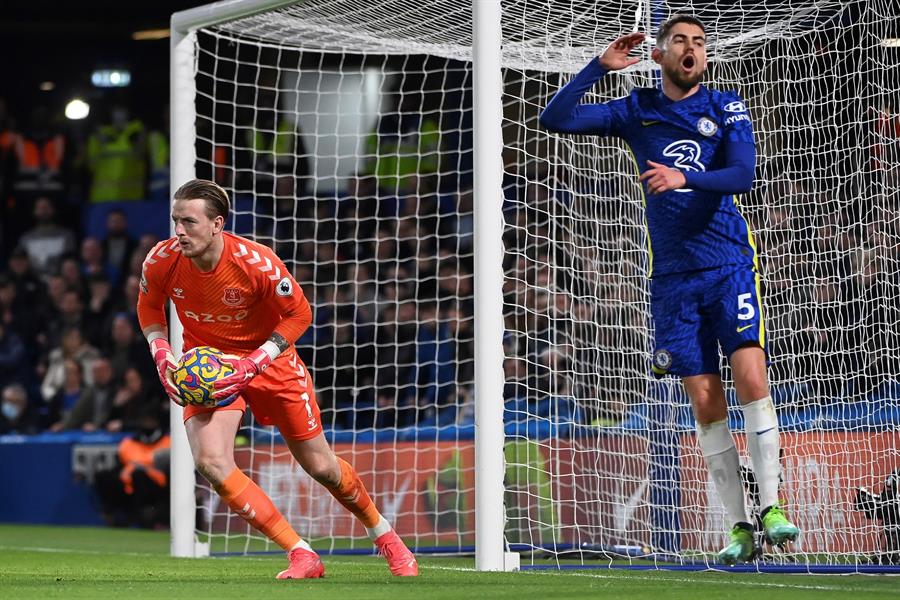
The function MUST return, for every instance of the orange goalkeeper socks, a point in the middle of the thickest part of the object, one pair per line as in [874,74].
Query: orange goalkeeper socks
[352,494]
[249,501]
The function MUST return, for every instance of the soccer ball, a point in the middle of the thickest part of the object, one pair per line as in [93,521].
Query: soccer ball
[198,370]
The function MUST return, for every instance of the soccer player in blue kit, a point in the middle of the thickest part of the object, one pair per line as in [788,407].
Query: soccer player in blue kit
[695,152]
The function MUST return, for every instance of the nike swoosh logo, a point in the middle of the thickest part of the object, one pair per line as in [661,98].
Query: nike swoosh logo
[744,328]
[764,431]
[648,123]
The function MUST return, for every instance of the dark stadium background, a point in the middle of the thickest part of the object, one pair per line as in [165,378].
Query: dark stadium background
[63,42]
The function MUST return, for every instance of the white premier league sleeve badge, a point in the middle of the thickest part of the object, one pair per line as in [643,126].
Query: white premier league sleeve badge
[284,287]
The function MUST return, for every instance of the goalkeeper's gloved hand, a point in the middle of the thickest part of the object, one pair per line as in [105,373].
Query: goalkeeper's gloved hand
[245,369]
[165,366]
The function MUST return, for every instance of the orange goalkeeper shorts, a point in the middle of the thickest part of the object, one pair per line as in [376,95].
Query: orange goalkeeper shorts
[282,395]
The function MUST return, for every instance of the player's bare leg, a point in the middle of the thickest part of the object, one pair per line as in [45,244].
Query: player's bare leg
[211,437]
[340,478]
[761,423]
[718,449]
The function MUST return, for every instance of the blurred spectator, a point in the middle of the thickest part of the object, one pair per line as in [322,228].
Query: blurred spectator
[70,271]
[69,315]
[127,302]
[17,315]
[158,154]
[56,289]
[46,243]
[94,406]
[68,395]
[145,244]
[404,151]
[136,491]
[117,158]
[9,227]
[16,413]
[118,246]
[127,349]
[39,154]
[433,376]
[136,261]
[515,377]
[871,319]
[133,401]
[457,224]
[395,355]
[29,287]
[135,264]
[276,151]
[358,290]
[357,213]
[14,366]
[348,368]
[74,347]
[93,263]
[101,301]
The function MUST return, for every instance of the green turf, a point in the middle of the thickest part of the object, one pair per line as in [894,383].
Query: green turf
[71,562]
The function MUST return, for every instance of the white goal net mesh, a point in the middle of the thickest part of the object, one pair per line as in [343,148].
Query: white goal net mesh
[343,130]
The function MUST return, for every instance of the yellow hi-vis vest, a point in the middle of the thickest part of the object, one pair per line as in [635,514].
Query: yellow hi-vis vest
[397,157]
[118,163]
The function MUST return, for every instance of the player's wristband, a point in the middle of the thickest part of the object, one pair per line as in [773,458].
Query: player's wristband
[264,355]
[159,343]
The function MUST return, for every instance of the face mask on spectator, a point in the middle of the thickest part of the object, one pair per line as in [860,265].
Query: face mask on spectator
[10,411]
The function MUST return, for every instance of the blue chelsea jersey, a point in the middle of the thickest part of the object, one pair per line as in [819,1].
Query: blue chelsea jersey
[708,136]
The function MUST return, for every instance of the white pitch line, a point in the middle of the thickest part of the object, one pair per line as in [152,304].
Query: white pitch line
[671,579]
[761,584]
[73,551]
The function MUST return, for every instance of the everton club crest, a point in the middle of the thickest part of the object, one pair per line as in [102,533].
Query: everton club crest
[232,297]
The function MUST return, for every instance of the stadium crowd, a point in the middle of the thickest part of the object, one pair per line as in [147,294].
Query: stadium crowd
[389,277]
[387,263]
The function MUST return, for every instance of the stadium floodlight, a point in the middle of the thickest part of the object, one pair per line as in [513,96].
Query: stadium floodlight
[589,457]
[111,78]
[77,109]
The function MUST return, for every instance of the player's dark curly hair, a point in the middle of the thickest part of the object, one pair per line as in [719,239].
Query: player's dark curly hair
[215,198]
[666,28]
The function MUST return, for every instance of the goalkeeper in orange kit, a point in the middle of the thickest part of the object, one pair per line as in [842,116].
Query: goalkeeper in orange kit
[237,295]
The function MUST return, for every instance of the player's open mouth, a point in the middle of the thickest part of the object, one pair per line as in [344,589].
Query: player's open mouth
[688,62]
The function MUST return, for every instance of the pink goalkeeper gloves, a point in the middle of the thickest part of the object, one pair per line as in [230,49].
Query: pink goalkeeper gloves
[165,366]
[245,369]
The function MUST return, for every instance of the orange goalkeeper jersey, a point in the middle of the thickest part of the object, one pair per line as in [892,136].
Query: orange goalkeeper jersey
[235,307]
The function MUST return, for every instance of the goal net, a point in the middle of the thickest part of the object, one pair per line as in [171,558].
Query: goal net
[343,130]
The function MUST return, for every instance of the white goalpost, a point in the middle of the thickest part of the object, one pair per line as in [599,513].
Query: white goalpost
[481,335]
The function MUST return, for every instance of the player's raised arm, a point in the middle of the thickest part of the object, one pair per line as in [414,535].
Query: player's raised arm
[564,114]
[616,56]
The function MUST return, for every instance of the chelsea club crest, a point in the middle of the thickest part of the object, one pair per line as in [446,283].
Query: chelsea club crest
[707,126]
[662,362]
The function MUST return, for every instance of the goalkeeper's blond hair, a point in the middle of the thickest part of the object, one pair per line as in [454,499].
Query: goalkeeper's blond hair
[213,195]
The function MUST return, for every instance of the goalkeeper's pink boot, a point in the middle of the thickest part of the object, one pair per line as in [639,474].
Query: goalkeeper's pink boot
[304,565]
[400,560]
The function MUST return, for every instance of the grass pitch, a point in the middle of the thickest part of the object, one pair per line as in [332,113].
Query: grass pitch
[76,562]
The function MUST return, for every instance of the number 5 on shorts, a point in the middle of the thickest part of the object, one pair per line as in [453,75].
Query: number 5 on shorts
[745,307]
